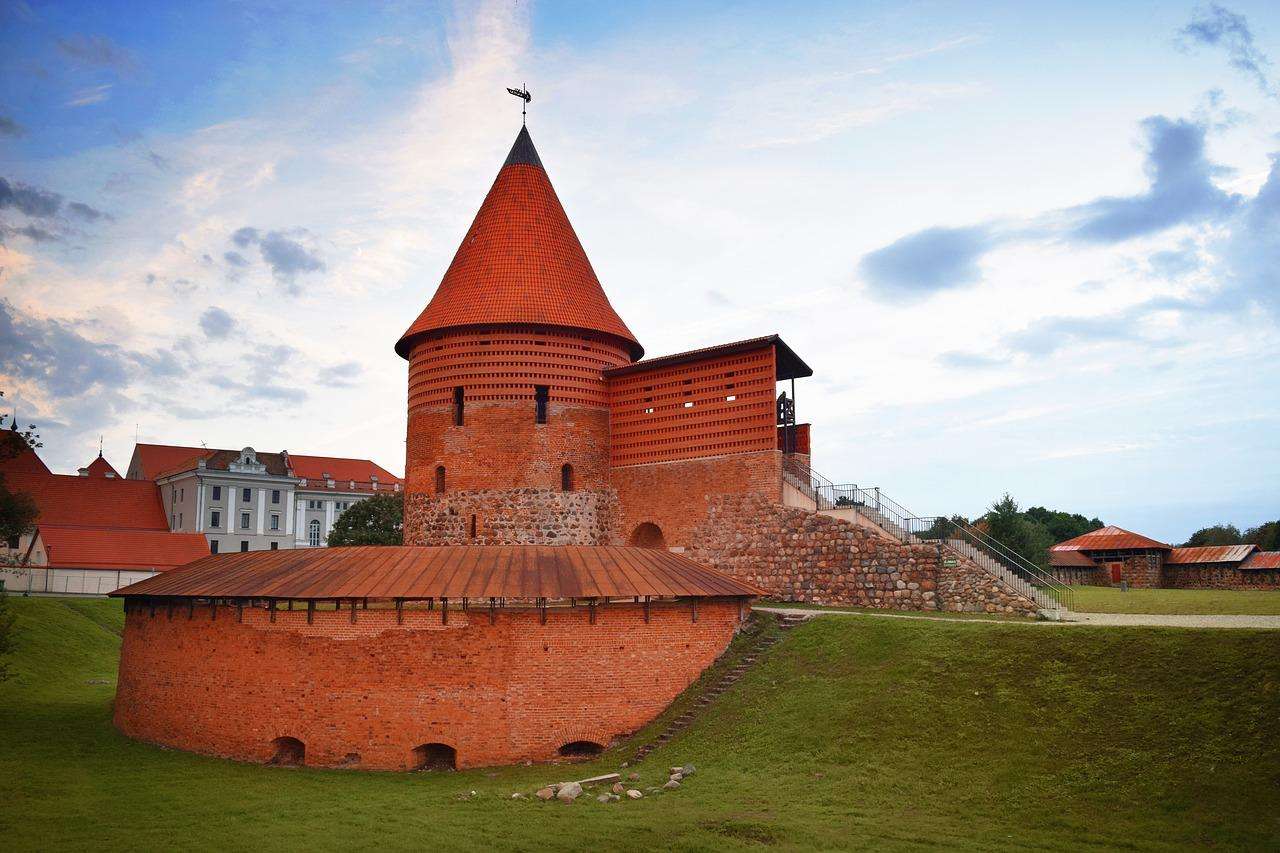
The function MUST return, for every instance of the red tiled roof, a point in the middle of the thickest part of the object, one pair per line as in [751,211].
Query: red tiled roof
[93,501]
[1210,554]
[157,460]
[1070,558]
[314,467]
[1109,538]
[101,468]
[1263,560]
[790,365]
[520,262]
[18,456]
[454,571]
[95,548]
[152,460]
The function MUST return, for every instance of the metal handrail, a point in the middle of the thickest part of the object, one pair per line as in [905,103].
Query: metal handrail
[913,529]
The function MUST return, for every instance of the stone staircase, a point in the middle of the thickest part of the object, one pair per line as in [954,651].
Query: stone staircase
[882,512]
[1049,606]
[760,645]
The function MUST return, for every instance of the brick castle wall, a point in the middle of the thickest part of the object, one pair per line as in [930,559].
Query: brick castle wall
[366,694]
[676,496]
[802,556]
[512,517]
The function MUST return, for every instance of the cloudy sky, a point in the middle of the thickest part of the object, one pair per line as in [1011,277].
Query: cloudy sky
[1025,247]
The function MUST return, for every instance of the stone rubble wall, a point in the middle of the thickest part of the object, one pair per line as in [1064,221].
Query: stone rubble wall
[802,556]
[512,517]
[1219,576]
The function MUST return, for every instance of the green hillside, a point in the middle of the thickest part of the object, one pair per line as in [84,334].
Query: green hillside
[851,733]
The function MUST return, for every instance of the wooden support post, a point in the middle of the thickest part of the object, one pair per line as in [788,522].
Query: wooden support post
[239,610]
[493,610]
[693,608]
[191,608]
[311,611]
[290,604]
[271,608]
[464,604]
[399,611]
[353,611]
[444,611]
[168,609]
[542,610]
[364,604]
[646,609]
[591,609]
[431,604]
[213,609]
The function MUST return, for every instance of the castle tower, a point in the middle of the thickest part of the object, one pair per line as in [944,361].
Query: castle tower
[508,433]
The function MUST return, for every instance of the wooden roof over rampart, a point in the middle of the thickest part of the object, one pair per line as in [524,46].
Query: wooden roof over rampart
[455,571]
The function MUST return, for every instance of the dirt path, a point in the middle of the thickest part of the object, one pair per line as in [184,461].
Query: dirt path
[1105,619]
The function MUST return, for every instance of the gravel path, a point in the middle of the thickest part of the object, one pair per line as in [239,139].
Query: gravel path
[1106,619]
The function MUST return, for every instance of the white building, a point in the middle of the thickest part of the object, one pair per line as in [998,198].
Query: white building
[243,500]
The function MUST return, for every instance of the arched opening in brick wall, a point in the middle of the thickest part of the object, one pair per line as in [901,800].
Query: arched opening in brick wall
[435,756]
[288,752]
[647,535]
[581,749]
[566,477]
[439,479]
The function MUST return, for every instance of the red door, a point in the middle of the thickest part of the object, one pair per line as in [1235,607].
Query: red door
[1115,571]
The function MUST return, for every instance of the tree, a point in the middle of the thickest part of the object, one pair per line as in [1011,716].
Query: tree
[1265,536]
[1062,525]
[18,510]
[1028,538]
[1218,534]
[376,521]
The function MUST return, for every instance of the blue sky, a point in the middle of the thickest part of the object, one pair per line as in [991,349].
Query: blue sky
[1026,247]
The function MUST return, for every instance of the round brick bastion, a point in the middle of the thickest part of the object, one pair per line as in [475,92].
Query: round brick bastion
[406,658]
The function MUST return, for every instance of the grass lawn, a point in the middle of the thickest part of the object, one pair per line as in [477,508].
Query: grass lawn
[851,733]
[1104,599]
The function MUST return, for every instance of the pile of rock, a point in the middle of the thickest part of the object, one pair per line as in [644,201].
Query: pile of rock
[568,792]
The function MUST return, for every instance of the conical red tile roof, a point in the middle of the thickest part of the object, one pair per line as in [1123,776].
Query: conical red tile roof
[520,262]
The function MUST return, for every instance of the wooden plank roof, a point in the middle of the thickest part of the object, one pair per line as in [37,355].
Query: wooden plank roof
[455,571]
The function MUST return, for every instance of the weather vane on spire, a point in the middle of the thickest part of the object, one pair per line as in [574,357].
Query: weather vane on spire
[523,94]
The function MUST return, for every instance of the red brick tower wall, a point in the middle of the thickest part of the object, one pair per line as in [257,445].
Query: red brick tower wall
[500,465]
[366,694]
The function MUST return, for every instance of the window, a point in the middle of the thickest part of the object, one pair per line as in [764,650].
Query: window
[179,519]
[315,504]
[12,542]
[275,546]
[215,518]
[313,533]
[244,545]
[217,493]
[566,477]
[541,393]
[182,495]
[457,406]
[439,479]
[244,520]
[275,521]
[213,546]
[275,496]
[246,495]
